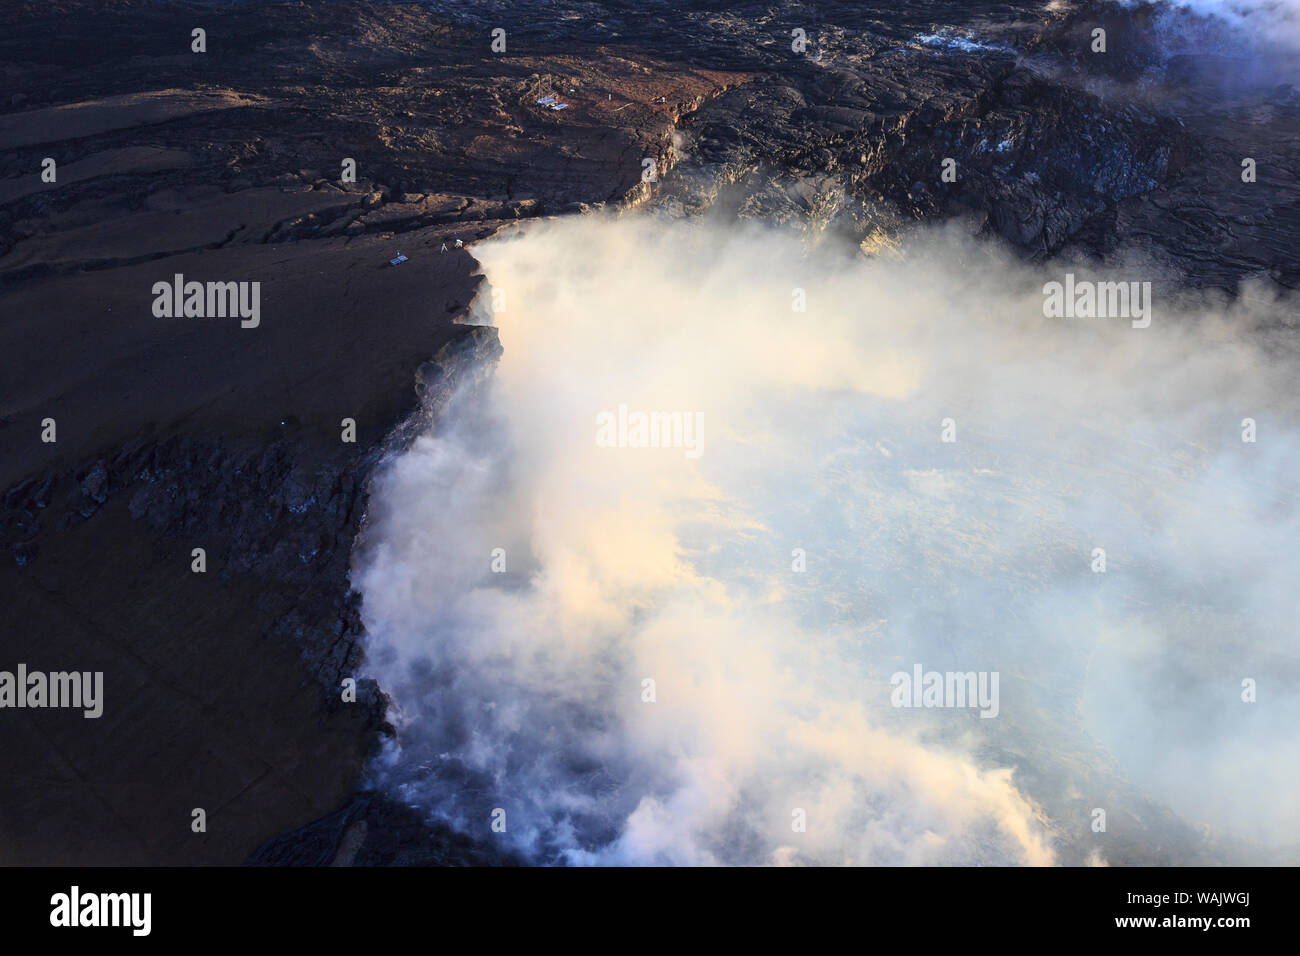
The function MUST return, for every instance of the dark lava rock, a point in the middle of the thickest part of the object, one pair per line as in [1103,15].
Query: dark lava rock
[95,485]
[375,830]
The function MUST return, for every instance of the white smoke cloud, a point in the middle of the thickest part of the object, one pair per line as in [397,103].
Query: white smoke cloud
[1256,13]
[821,431]
[1267,25]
